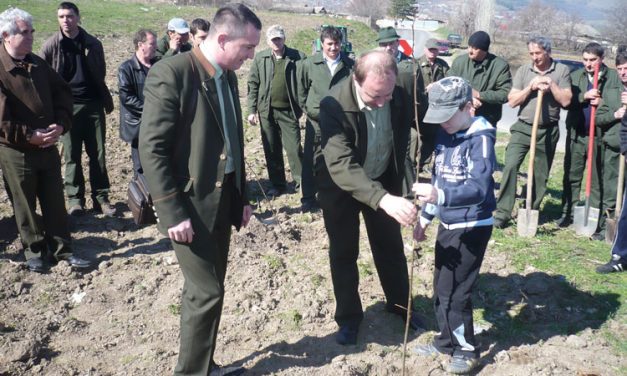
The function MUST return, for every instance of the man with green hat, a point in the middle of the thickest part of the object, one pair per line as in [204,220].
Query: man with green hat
[388,40]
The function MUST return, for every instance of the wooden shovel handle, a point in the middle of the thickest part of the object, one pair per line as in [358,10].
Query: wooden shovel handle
[621,183]
[591,143]
[532,148]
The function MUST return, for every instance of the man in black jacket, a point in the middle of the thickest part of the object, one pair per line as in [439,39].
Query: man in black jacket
[131,76]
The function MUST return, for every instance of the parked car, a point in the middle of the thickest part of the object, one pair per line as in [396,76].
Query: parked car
[454,40]
[443,49]
[573,65]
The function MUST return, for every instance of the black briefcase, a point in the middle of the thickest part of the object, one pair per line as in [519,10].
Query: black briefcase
[139,201]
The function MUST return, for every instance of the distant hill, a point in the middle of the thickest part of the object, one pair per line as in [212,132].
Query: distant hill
[592,11]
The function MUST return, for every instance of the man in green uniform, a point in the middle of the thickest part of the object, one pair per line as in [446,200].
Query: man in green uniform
[191,144]
[175,41]
[607,146]
[433,69]
[79,58]
[36,109]
[488,75]
[317,75]
[273,104]
[542,73]
[365,133]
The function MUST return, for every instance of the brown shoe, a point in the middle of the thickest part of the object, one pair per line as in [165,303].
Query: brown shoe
[105,208]
[76,210]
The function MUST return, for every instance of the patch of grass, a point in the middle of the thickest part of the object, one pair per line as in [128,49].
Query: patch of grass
[365,268]
[274,262]
[317,280]
[128,359]
[175,309]
[293,319]
[44,299]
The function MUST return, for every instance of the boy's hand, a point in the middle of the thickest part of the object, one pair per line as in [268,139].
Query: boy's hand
[426,193]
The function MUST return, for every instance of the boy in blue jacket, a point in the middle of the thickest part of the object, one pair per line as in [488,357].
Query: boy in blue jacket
[461,195]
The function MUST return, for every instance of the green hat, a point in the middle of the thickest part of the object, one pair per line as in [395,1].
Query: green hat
[431,43]
[387,34]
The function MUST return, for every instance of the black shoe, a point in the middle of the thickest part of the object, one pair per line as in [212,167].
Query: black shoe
[105,208]
[310,205]
[600,236]
[415,321]
[427,350]
[217,370]
[76,210]
[564,221]
[501,223]
[275,192]
[35,264]
[347,335]
[77,262]
[615,265]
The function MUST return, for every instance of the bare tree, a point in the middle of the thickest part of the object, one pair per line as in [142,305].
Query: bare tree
[367,8]
[485,15]
[537,18]
[464,21]
[617,23]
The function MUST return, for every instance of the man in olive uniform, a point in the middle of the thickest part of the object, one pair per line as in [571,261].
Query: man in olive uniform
[79,58]
[488,75]
[273,104]
[578,120]
[191,144]
[542,73]
[175,41]
[317,75]
[36,109]
[389,40]
[365,135]
[433,69]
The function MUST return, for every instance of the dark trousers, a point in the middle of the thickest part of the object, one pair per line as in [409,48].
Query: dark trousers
[280,130]
[203,263]
[137,165]
[341,220]
[36,175]
[310,155]
[88,127]
[428,132]
[619,247]
[409,174]
[519,144]
[458,257]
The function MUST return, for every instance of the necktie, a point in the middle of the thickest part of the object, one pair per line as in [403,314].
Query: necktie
[230,128]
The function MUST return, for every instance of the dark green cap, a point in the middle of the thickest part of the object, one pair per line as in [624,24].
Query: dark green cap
[431,43]
[387,34]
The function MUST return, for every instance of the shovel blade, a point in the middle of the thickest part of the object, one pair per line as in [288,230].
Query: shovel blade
[585,226]
[527,223]
[610,230]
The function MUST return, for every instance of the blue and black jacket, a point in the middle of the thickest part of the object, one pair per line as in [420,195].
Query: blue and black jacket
[462,174]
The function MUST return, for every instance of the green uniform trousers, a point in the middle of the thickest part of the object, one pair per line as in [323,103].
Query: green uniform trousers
[203,264]
[519,144]
[280,130]
[311,154]
[36,175]
[88,127]
[604,174]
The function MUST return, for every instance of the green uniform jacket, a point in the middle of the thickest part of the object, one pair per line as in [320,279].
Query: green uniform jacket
[260,80]
[163,48]
[491,78]
[405,79]
[429,76]
[181,142]
[610,87]
[315,80]
[345,139]
[31,99]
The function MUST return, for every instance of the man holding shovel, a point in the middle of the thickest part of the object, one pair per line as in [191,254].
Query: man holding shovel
[553,79]
[578,122]
[618,261]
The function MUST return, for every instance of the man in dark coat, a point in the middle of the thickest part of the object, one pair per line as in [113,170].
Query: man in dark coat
[131,77]
[364,125]
[191,145]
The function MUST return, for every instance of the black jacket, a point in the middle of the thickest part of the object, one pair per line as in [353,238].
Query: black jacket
[131,77]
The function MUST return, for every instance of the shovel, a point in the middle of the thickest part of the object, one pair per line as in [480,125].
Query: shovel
[585,218]
[527,223]
[612,223]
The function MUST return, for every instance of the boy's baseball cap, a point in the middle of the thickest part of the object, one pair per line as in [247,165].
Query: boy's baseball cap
[178,25]
[445,98]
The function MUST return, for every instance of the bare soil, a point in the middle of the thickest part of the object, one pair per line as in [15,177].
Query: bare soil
[122,316]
